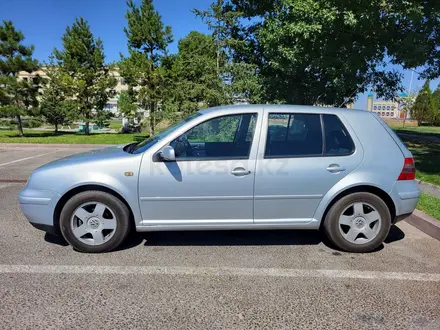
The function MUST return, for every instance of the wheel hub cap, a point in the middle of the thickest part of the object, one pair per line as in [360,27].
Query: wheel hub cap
[359,222]
[93,223]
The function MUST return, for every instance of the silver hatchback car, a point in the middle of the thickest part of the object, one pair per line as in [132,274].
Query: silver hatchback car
[234,167]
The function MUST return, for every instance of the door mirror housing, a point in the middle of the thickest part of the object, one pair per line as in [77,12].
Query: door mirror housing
[168,154]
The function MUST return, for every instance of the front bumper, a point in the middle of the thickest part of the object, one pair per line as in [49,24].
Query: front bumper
[38,207]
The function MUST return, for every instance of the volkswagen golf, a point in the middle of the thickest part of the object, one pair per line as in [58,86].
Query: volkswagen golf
[341,171]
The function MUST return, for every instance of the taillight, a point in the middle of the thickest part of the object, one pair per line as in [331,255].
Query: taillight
[408,170]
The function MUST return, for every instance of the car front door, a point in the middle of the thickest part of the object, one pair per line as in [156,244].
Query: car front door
[211,181]
[301,157]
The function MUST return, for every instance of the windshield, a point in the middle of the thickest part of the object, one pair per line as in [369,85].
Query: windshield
[147,143]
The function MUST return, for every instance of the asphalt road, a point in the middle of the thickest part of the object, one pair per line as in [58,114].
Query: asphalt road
[208,280]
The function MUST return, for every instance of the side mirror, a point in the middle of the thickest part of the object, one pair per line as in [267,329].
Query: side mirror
[168,154]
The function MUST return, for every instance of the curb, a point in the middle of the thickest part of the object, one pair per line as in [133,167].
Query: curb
[429,188]
[425,223]
[50,146]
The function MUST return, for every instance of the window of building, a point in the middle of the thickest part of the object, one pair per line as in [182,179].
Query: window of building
[294,135]
[375,107]
[221,137]
[388,114]
[388,107]
[383,113]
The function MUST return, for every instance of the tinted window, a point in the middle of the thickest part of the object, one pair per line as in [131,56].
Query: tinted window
[337,140]
[294,135]
[221,137]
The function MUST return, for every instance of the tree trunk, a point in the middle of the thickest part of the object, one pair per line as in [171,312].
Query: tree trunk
[19,125]
[86,128]
[152,119]
[56,128]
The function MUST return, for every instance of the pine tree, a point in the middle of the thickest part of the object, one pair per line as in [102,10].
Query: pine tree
[55,105]
[82,62]
[423,109]
[18,97]
[436,101]
[148,40]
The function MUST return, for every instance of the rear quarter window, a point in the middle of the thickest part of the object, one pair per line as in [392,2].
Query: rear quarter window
[338,141]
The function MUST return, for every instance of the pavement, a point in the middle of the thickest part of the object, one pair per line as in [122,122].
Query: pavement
[208,280]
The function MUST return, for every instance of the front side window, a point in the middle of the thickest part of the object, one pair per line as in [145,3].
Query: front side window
[293,135]
[222,137]
[140,147]
[337,140]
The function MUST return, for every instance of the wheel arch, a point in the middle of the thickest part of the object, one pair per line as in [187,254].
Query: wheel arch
[76,190]
[363,188]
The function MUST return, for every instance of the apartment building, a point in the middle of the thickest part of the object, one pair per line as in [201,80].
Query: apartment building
[112,103]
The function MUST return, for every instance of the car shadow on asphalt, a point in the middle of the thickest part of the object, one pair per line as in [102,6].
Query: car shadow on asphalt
[230,238]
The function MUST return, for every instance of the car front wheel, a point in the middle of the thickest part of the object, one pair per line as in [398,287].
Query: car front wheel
[358,222]
[95,221]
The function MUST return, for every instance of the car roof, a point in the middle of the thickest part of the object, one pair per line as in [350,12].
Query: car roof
[281,108]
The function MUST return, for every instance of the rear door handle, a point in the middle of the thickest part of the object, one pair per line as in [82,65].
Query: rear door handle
[240,171]
[335,168]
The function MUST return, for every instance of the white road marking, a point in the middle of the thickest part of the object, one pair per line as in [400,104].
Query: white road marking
[216,271]
[23,159]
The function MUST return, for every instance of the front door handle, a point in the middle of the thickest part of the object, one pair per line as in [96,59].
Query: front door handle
[335,168]
[240,171]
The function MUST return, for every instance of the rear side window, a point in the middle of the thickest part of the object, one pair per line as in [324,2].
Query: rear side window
[337,140]
[294,135]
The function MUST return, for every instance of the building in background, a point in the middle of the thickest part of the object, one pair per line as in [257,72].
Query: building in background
[112,102]
[387,109]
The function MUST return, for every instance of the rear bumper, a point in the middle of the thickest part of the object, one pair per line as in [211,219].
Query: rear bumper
[38,207]
[405,195]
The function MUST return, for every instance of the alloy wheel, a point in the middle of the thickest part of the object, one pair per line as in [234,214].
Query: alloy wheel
[93,223]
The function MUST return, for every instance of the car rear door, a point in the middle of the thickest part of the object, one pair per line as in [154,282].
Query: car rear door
[301,156]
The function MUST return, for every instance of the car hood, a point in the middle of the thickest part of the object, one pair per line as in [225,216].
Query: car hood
[96,155]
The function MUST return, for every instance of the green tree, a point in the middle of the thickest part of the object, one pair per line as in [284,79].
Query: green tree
[423,109]
[197,84]
[82,62]
[18,97]
[127,105]
[244,83]
[333,49]
[406,103]
[241,81]
[148,40]
[436,101]
[55,105]
[220,23]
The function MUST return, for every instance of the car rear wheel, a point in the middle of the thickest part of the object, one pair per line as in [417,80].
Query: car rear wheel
[95,221]
[358,222]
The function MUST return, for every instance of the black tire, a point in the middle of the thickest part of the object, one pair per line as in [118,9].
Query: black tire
[331,222]
[120,210]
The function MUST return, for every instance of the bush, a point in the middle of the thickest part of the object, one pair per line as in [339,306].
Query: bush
[32,123]
[6,123]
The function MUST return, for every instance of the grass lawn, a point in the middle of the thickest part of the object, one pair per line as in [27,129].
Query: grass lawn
[430,205]
[115,124]
[427,158]
[417,129]
[47,137]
